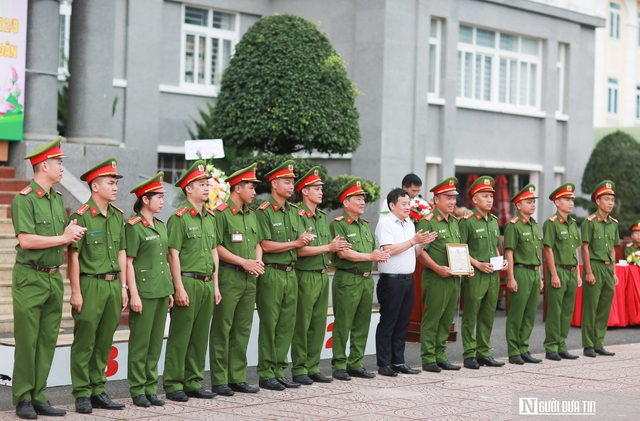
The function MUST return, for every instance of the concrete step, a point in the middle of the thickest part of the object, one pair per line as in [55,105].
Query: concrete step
[6,322]
[6,226]
[8,255]
[6,306]
[8,241]
[5,287]
[5,211]
[6,197]
[13,184]
[7,172]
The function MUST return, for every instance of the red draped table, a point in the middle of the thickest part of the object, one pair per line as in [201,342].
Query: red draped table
[625,309]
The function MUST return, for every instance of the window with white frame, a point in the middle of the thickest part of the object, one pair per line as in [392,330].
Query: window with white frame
[63,43]
[498,68]
[434,56]
[612,96]
[561,65]
[172,165]
[638,102]
[638,29]
[208,39]
[614,20]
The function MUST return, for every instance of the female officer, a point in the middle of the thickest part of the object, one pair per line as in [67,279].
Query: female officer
[150,288]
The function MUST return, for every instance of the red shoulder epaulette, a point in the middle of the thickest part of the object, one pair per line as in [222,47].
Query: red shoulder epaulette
[222,207]
[467,216]
[83,209]
[264,205]
[181,211]
[429,217]
[514,220]
[26,191]
[134,220]
[117,208]
[212,213]
[553,218]
[301,212]
[591,217]
[614,219]
[340,218]
[630,244]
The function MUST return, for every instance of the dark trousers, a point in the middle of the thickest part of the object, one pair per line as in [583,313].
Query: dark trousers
[395,296]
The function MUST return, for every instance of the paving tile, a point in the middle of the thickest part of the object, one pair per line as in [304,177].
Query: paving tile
[430,411]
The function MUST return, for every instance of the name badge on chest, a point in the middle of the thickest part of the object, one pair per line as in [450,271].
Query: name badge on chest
[237,237]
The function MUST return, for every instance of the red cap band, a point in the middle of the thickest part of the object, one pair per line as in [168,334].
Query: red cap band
[313,178]
[351,191]
[247,176]
[444,189]
[51,153]
[195,175]
[603,190]
[482,187]
[281,174]
[563,193]
[156,185]
[524,196]
[100,172]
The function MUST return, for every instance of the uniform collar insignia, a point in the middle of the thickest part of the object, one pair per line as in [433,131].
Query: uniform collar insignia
[145,222]
[193,211]
[39,192]
[94,211]
[234,210]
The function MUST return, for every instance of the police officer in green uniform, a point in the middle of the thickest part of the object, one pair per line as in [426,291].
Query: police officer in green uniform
[440,288]
[313,282]
[150,289]
[40,223]
[522,246]
[481,232]
[599,237]
[240,263]
[634,245]
[277,290]
[561,243]
[193,261]
[97,272]
[352,290]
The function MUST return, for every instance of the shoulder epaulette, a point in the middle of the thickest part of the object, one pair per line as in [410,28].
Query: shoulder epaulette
[222,207]
[630,244]
[83,209]
[117,208]
[264,205]
[493,215]
[26,191]
[212,213]
[134,220]
[59,192]
[321,211]
[340,218]
[429,217]
[553,218]
[614,219]
[251,209]
[158,219]
[292,204]
[454,217]
[365,220]
[467,216]
[514,219]
[591,217]
[182,211]
[301,212]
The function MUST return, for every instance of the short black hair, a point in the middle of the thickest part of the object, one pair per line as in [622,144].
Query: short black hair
[411,180]
[396,194]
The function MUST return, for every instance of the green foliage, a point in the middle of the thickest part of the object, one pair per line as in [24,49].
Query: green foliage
[616,157]
[334,185]
[285,90]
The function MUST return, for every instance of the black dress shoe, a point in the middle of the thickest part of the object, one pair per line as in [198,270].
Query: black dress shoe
[341,375]
[318,377]
[222,390]
[516,359]
[200,393]
[103,401]
[385,370]
[83,405]
[362,373]
[553,356]
[589,352]
[243,387]
[446,365]
[403,368]
[47,410]
[603,351]
[177,396]
[141,400]
[271,384]
[567,356]
[287,383]
[303,379]
[25,410]
[431,367]
[154,400]
[528,358]
[471,363]
[489,361]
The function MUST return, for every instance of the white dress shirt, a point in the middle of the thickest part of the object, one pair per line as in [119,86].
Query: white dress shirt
[392,230]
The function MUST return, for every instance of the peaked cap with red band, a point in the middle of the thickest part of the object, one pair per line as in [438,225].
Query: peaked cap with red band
[106,168]
[311,178]
[245,174]
[151,185]
[527,192]
[605,187]
[352,188]
[636,226]
[446,187]
[482,184]
[565,190]
[284,170]
[196,171]
[47,151]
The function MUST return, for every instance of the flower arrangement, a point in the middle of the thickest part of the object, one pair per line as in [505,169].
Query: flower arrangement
[634,258]
[419,209]
[9,96]
[219,189]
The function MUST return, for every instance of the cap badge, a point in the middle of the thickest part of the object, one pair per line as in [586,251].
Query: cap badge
[531,189]
[608,185]
[113,164]
[201,167]
[569,188]
[290,167]
[486,181]
[358,183]
[451,182]
[315,172]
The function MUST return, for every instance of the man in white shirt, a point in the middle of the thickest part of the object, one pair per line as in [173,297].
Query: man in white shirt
[396,235]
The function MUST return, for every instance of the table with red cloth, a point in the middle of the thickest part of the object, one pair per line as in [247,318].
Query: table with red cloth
[625,309]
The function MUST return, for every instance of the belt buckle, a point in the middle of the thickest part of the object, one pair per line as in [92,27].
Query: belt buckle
[206,278]
[323,271]
[109,277]
[52,271]
[607,263]
[288,269]
[366,274]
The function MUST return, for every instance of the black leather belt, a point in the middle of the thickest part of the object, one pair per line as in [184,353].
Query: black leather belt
[606,262]
[528,266]
[566,267]
[105,276]
[205,278]
[357,272]
[233,267]
[280,267]
[397,275]
[314,270]
[50,270]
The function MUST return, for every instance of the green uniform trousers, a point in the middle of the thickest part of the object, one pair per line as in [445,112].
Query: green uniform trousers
[440,299]
[560,302]
[352,299]
[145,345]
[93,330]
[276,300]
[231,327]
[596,305]
[480,300]
[311,322]
[188,335]
[37,311]
[523,306]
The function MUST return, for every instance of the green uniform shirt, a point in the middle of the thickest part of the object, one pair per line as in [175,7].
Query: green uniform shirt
[482,236]
[99,247]
[601,235]
[149,247]
[237,230]
[319,227]
[563,238]
[448,232]
[282,225]
[630,249]
[359,234]
[523,237]
[34,211]
[193,234]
